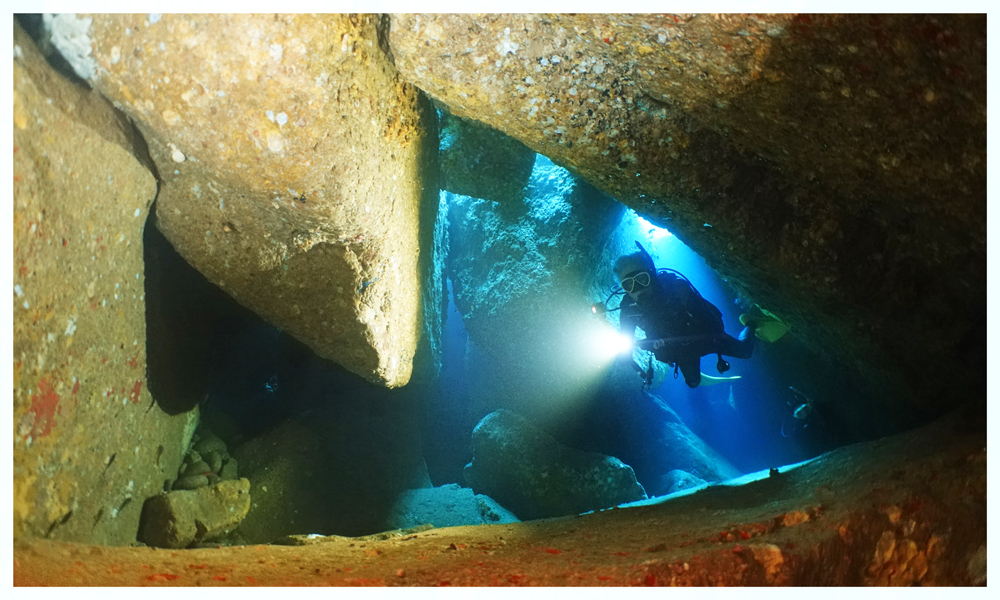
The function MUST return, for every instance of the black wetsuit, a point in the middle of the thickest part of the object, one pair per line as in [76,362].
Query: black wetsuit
[692,326]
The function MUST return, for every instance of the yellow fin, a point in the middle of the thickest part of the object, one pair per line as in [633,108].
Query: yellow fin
[769,328]
[709,380]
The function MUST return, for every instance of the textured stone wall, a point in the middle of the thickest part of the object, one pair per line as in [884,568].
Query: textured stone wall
[521,274]
[296,168]
[480,162]
[830,167]
[90,443]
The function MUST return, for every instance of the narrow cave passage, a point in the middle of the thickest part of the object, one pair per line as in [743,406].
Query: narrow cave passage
[155,412]
[324,442]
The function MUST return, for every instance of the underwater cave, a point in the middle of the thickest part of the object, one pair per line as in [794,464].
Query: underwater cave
[407,368]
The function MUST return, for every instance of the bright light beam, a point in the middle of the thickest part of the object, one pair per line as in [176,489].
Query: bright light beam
[606,342]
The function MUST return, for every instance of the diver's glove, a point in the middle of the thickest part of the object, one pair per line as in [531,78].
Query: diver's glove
[647,375]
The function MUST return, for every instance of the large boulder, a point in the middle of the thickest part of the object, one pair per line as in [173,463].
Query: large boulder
[90,443]
[521,275]
[334,470]
[535,477]
[449,505]
[678,480]
[480,162]
[180,518]
[297,169]
[831,167]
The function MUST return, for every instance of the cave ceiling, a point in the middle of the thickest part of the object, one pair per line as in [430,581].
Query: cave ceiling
[832,168]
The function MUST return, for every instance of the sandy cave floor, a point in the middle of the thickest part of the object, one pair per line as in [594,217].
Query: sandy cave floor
[827,522]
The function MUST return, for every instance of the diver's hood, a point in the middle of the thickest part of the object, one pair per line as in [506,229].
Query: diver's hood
[637,261]
[631,263]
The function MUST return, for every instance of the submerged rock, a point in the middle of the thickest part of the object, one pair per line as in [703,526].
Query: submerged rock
[677,480]
[295,166]
[191,482]
[529,472]
[449,505]
[521,277]
[180,518]
[481,162]
[90,443]
[208,442]
[229,470]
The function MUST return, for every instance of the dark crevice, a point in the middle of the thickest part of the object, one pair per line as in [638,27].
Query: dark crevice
[56,524]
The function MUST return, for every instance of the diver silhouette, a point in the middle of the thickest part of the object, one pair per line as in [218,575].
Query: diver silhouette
[680,325]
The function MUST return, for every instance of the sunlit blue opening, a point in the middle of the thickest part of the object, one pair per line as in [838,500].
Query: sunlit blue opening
[743,419]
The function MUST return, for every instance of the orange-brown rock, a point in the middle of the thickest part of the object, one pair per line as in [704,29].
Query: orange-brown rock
[908,510]
[294,167]
[90,443]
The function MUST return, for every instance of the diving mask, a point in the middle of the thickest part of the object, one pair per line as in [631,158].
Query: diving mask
[638,280]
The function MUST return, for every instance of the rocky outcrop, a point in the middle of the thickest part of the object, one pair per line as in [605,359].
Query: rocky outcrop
[180,518]
[297,169]
[480,162]
[334,471]
[830,167]
[449,505]
[678,480]
[521,275]
[535,477]
[90,443]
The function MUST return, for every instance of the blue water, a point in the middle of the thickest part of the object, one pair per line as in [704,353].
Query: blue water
[748,421]
[742,419]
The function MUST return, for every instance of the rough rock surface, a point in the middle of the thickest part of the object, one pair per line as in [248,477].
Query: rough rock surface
[90,444]
[296,169]
[480,162]
[677,480]
[449,505]
[521,275]
[535,477]
[330,473]
[907,510]
[838,159]
[654,440]
[180,518]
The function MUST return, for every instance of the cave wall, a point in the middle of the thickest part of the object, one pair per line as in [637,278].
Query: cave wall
[830,167]
[90,442]
[521,274]
[296,168]
[839,161]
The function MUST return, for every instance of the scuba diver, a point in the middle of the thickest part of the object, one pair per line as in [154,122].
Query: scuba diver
[680,325]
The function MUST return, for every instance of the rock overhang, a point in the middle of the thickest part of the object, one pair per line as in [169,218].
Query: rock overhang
[296,169]
[828,205]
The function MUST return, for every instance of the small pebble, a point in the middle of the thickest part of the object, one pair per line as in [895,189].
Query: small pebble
[228,472]
[191,482]
[214,460]
[209,442]
[198,468]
